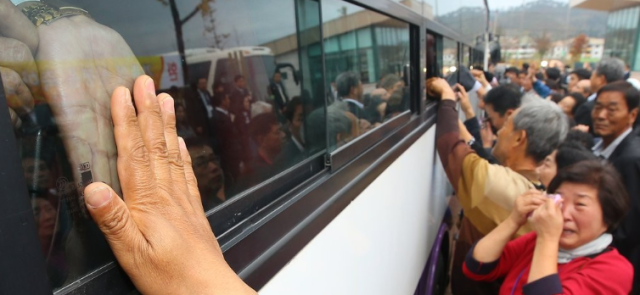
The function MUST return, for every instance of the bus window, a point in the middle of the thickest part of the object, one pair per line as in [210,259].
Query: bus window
[365,54]
[243,123]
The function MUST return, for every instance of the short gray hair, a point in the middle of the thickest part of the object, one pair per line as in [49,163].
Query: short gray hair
[346,81]
[611,68]
[546,126]
[335,118]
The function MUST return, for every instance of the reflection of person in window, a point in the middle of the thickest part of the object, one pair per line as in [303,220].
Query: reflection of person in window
[239,91]
[276,89]
[183,126]
[294,147]
[208,173]
[242,122]
[200,108]
[46,217]
[350,90]
[342,127]
[227,141]
[267,134]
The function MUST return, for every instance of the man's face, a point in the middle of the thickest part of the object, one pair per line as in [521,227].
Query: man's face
[277,78]
[42,177]
[181,115]
[611,116]
[296,123]
[526,83]
[242,83]
[513,77]
[202,84]
[597,81]
[206,168]
[573,80]
[272,141]
[507,140]
[495,118]
[226,102]
[582,87]
[567,104]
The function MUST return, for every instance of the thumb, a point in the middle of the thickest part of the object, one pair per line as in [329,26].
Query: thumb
[112,216]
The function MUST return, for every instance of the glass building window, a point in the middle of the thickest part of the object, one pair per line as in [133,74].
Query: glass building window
[245,93]
[365,75]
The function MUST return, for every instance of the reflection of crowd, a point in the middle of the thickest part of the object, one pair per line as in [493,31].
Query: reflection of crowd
[252,140]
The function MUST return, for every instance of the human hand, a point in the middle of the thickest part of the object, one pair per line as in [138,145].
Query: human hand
[487,135]
[532,73]
[81,63]
[547,220]
[364,126]
[159,233]
[440,88]
[465,103]
[525,204]
[480,77]
[18,40]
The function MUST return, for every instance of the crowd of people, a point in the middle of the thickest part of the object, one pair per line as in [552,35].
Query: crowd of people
[240,140]
[547,179]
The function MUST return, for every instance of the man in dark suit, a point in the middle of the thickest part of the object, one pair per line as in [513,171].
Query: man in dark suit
[227,142]
[607,71]
[280,97]
[239,92]
[614,113]
[200,109]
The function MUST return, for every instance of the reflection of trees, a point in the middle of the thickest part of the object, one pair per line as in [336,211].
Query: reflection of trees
[543,43]
[578,46]
[207,13]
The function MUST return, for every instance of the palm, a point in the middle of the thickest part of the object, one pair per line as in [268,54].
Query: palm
[80,63]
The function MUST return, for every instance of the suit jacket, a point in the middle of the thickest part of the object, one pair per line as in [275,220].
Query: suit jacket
[197,112]
[280,100]
[626,159]
[583,114]
[237,96]
[355,109]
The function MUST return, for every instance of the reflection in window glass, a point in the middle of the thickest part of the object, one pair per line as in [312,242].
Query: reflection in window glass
[244,94]
[366,56]
[449,57]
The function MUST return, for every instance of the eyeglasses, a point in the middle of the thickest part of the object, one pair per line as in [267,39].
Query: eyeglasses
[203,160]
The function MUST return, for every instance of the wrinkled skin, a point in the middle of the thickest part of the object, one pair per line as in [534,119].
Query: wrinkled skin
[81,63]
[159,232]
[74,64]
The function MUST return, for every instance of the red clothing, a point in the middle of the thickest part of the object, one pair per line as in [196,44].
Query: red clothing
[607,273]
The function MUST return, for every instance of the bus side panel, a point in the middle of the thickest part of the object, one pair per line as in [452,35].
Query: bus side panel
[380,243]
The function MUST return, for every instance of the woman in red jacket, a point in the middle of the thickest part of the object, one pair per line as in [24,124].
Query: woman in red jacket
[569,251]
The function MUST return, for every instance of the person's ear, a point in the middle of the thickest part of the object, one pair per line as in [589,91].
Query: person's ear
[508,114]
[520,138]
[633,115]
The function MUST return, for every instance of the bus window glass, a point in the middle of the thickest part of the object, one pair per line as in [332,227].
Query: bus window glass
[449,57]
[367,56]
[244,95]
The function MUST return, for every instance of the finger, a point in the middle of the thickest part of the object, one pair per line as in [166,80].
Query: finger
[176,164]
[18,95]
[192,182]
[152,130]
[14,24]
[133,160]
[17,56]
[16,122]
[461,89]
[113,218]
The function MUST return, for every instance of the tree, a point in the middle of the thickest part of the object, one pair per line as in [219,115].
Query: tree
[543,44]
[578,46]
[207,12]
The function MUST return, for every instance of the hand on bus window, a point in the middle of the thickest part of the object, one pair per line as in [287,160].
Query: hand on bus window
[18,40]
[159,232]
[81,63]
[439,87]
[465,103]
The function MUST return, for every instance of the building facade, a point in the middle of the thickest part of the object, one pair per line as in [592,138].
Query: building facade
[623,23]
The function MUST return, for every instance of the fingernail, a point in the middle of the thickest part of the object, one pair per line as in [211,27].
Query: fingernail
[150,86]
[126,96]
[98,197]
[181,143]
[167,104]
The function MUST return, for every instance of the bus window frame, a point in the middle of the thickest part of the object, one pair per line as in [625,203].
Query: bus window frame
[258,246]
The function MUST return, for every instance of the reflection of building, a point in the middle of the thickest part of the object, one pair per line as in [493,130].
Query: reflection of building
[516,48]
[593,51]
[369,43]
[621,39]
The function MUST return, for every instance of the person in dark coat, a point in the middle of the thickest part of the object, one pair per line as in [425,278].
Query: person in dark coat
[200,109]
[614,113]
[279,93]
[227,142]
[239,92]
